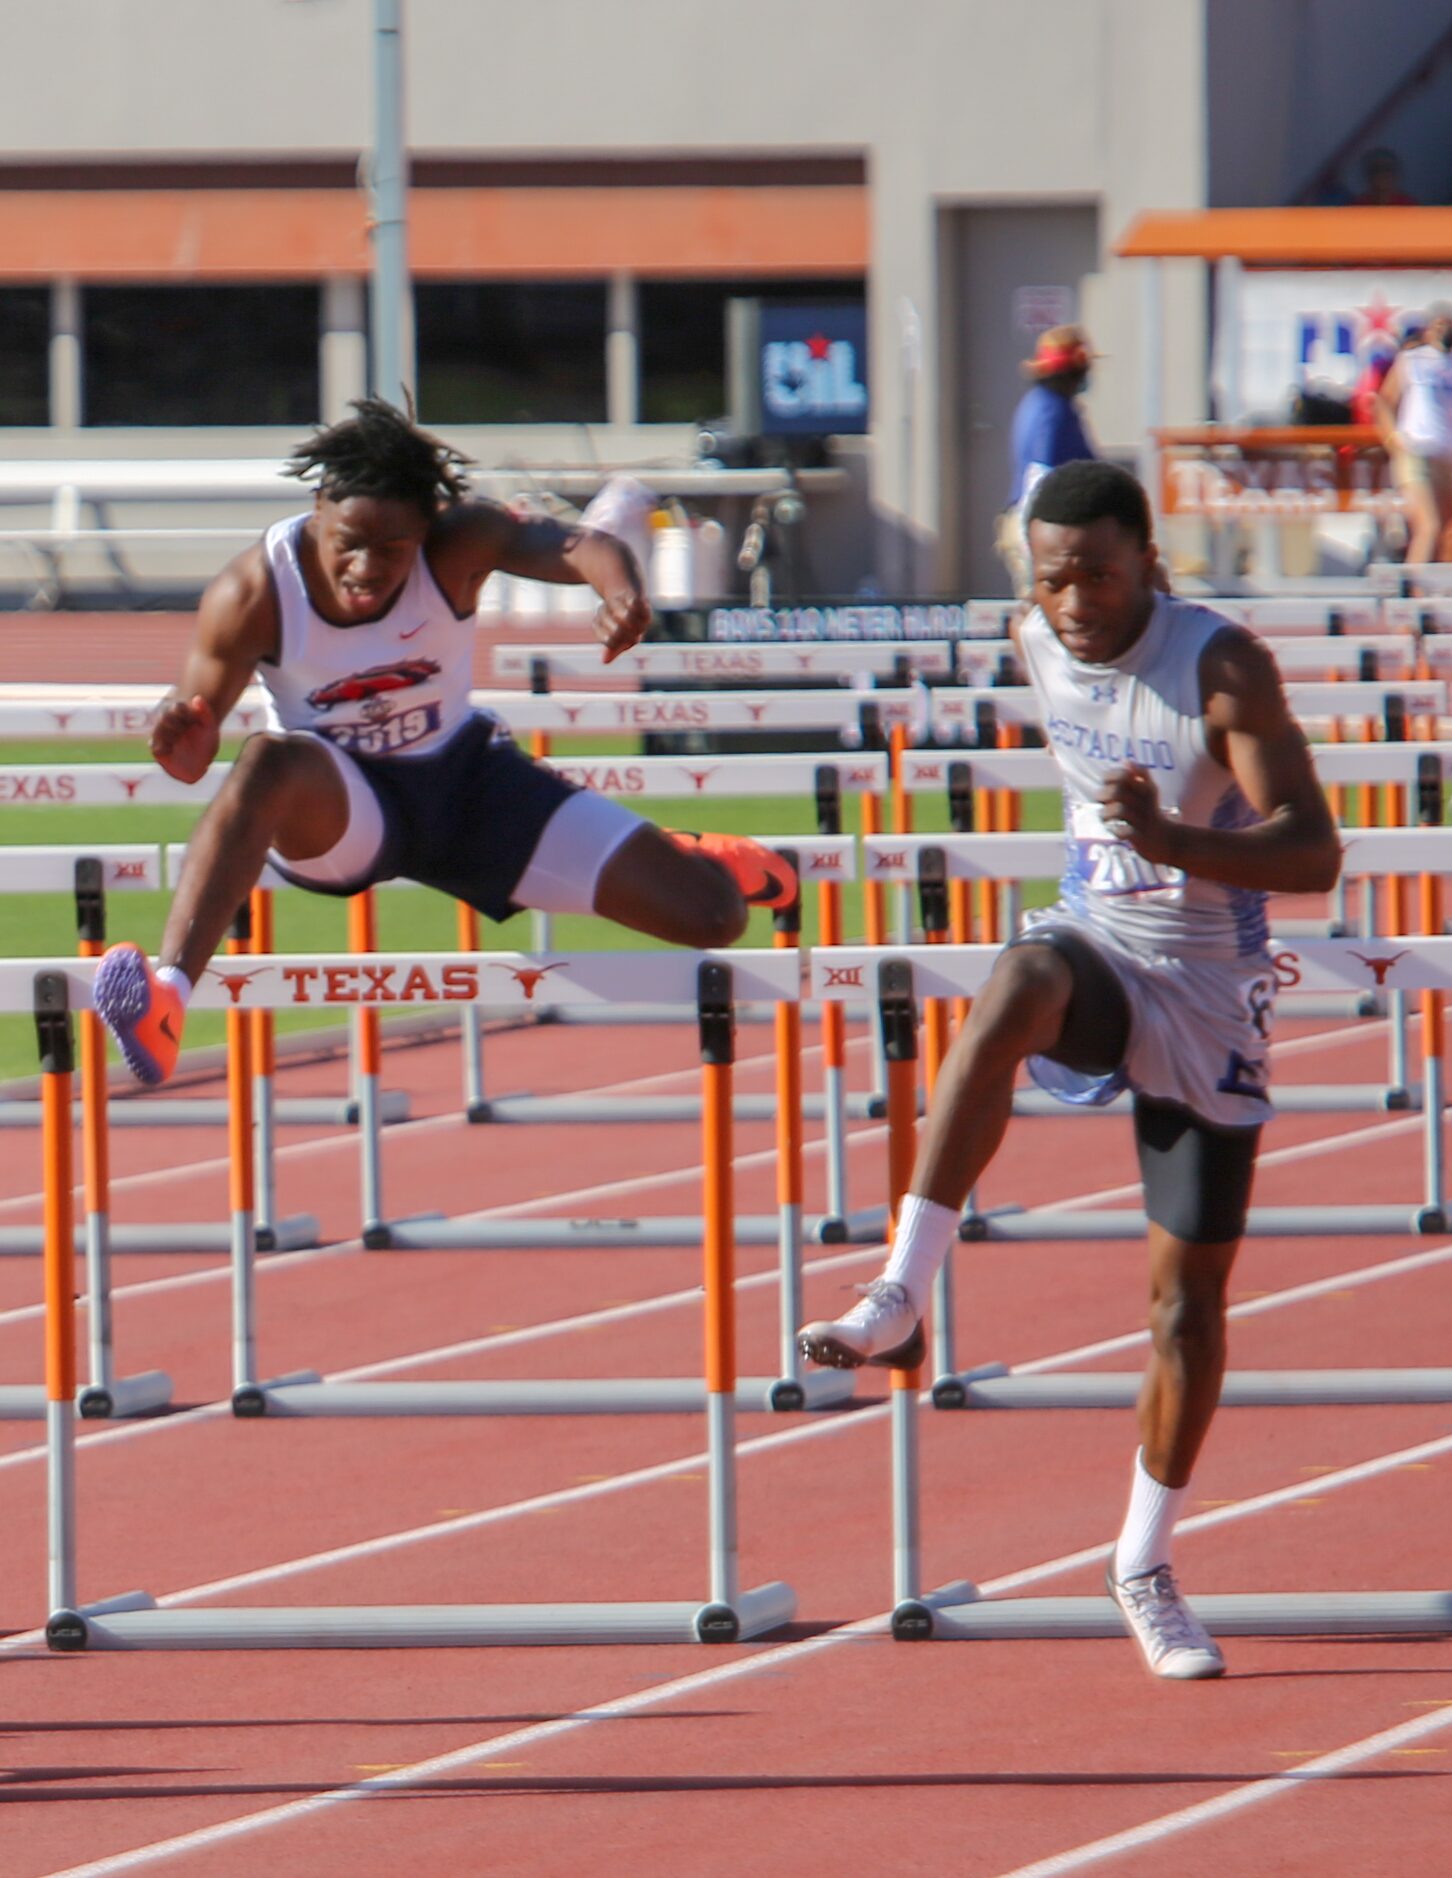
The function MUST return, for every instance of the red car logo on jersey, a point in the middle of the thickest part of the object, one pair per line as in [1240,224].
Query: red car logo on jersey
[362,687]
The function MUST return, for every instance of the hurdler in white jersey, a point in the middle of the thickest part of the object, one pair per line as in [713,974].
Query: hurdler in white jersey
[1189,793]
[394,686]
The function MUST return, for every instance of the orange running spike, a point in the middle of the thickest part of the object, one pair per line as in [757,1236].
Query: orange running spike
[142,1013]
[764,878]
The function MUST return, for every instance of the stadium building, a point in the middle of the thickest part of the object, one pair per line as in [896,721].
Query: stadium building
[184,249]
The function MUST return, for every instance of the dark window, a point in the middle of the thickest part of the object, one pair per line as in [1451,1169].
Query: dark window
[201,355]
[24,345]
[683,339]
[511,352]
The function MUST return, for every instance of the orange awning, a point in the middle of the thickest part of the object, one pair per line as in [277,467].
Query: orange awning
[1295,237]
[308,234]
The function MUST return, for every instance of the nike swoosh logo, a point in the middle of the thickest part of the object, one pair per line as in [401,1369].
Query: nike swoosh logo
[413,631]
[165,1027]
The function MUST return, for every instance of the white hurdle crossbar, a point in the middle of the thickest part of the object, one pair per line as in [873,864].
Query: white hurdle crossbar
[133,1622]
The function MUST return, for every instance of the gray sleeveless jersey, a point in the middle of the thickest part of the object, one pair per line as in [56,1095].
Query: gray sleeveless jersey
[1146,709]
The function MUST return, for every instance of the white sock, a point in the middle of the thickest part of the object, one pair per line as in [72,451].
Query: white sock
[924,1233]
[1144,1539]
[174,976]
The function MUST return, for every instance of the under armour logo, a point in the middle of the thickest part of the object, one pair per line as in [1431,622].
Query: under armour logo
[1104,694]
[1379,967]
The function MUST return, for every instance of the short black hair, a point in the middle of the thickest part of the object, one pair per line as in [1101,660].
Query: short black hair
[1075,495]
[380,452]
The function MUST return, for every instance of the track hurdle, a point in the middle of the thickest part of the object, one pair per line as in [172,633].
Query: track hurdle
[1423,964]
[727,1615]
[574,980]
[1383,853]
[957,1612]
[106,1394]
[88,875]
[727,660]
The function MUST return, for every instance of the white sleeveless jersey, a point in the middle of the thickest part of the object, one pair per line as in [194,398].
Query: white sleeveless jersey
[1146,709]
[1424,416]
[397,686]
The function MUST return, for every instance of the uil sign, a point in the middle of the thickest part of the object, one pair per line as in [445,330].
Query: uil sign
[813,369]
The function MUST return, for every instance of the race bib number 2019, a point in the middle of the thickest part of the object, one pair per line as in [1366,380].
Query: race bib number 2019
[389,734]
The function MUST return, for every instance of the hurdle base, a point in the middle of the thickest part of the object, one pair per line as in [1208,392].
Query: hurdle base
[381,1235]
[1253,1614]
[434,1233]
[66,1630]
[992,1387]
[288,1235]
[1262,1222]
[306,1394]
[211,1111]
[423,1626]
[1358,1098]
[522,1109]
[250,1399]
[128,1395]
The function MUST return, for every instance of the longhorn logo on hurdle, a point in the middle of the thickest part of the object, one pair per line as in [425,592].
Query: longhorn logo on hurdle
[1378,967]
[62,718]
[130,784]
[700,777]
[528,977]
[235,982]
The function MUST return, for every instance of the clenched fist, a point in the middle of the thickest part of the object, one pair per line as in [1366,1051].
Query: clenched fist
[1131,807]
[620,623]
[185,738]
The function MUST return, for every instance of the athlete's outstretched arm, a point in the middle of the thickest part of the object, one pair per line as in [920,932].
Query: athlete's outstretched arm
[478,537]
[1294,848]
[236,626]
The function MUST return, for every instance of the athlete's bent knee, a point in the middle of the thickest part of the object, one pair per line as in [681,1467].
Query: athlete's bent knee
[1023,1006]
[276,760]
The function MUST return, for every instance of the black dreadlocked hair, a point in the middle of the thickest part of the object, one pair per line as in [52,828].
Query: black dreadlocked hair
[381,452]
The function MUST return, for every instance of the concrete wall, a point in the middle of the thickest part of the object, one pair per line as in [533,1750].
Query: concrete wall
[1290,78]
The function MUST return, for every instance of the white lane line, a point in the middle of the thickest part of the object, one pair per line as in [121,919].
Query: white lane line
[1276,1786]
[765,1661]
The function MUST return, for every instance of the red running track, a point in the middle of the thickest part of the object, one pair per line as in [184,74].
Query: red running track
[826,1750]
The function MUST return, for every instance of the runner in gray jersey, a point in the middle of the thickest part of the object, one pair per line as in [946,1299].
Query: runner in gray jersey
[1188,796]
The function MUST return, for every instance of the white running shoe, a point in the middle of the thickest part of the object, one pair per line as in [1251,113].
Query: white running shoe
[1174,1642]
[882,1329]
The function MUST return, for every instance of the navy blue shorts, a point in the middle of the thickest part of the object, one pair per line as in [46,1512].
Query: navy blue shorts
[466,820]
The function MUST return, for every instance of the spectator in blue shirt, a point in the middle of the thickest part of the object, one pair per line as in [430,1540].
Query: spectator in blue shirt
[1047,431]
